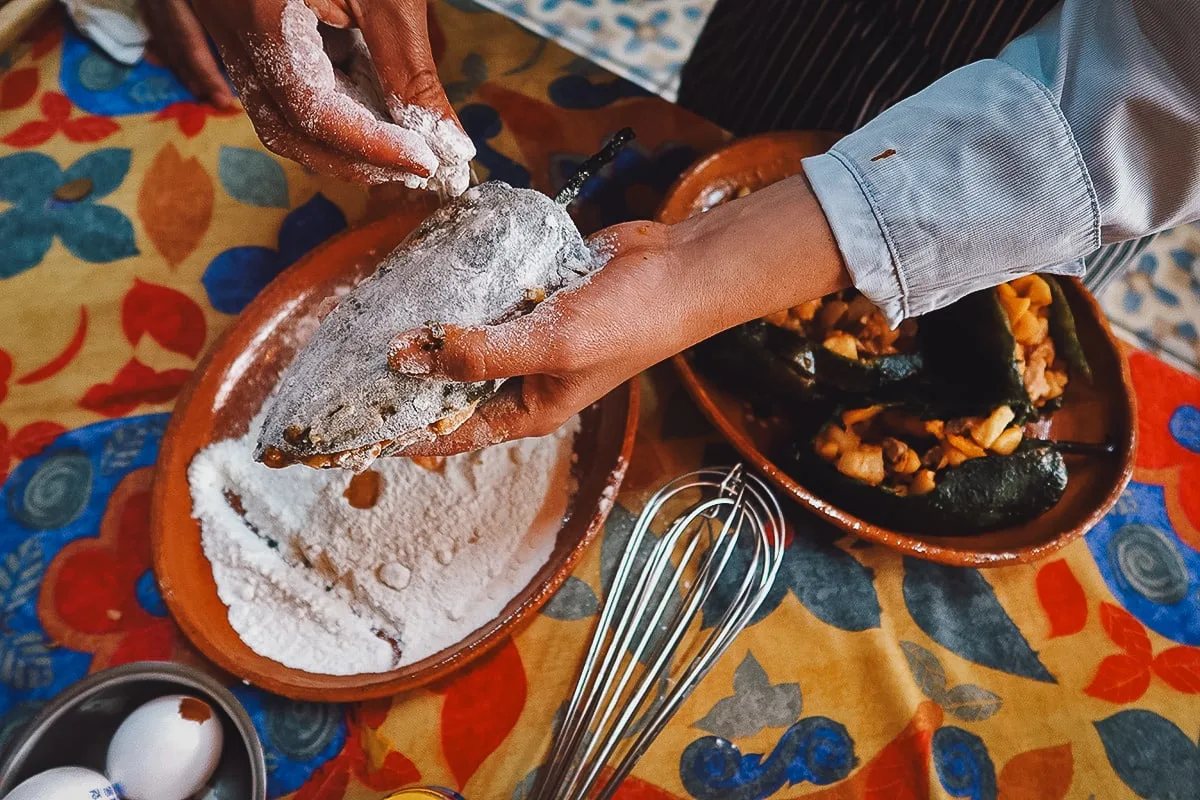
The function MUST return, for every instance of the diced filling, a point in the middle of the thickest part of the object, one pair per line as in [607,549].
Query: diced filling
[723,195]
[903,453]
[848,324]
[1027,301]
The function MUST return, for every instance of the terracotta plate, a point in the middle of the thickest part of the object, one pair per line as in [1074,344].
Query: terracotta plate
[228,389]
[1096,412]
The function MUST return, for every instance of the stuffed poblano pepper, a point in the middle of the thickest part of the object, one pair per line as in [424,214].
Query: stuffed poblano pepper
[937,475]
[490,255]
[833,346]
[1015,344]
[748,360]
[846,344]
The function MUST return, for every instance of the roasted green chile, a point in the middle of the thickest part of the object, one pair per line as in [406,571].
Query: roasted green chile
[979,495]
[980,370]
[742,360]
[967,362]
[772,359]
[1064,333]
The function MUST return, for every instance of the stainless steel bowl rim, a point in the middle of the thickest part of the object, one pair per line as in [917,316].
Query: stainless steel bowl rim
[167,671]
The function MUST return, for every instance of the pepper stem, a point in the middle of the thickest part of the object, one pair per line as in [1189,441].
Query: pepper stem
[1069,448]
[591,166]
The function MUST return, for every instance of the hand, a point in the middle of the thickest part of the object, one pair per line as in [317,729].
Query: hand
[366,107]
[664,289]
[179,40]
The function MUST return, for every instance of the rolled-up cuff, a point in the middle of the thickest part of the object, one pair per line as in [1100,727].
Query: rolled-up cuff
[974,181]
[859,235]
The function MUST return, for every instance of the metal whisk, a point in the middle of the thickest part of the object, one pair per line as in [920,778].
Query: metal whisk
[735,526]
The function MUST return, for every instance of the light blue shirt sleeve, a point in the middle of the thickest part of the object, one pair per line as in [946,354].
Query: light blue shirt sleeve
[1083,132]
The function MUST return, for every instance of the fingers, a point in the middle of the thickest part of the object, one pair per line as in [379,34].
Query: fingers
[496,420]
[301,80]
[397,35]
[398,40]
[473,354]
[403,58]
[519,410]
[570,351]
[331,12]
[180,41]
[281,138]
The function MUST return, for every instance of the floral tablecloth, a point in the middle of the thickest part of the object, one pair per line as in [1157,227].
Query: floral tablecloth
[135,223]
[645,41]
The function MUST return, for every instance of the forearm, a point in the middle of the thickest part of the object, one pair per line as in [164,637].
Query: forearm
[742,260]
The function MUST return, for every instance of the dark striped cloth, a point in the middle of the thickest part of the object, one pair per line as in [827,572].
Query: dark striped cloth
[763,65]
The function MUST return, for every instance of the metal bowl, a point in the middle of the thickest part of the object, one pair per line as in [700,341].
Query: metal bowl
[74,729]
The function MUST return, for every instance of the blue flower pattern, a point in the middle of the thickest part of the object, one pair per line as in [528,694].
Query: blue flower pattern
[1157,301]
[648,30]
[644,41]
[552,5]
[49,501]
[1150,572]
[92,231]
[99,85]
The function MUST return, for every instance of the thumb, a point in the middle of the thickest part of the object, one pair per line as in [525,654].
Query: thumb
[397,34]
[331,12]
[473,353]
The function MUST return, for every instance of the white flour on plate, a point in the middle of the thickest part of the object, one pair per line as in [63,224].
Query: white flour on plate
[320,585]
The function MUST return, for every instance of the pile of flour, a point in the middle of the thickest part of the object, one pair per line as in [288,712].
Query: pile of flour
[317,584]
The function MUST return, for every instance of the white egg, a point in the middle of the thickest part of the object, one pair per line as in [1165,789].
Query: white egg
[165,750]
[64,783]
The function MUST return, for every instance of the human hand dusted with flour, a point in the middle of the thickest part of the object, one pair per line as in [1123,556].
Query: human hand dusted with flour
[346,87]
[664,289]
[179,40]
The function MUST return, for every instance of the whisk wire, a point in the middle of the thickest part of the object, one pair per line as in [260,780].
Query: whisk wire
[664,649]
[659,714]
[575,717]
[614,701]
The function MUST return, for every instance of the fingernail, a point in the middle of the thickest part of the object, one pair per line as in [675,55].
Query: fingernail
[413,351]
[409,361]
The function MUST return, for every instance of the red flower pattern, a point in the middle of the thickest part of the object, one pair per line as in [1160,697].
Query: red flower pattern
[1125,677]
[368,756]
[6,366]
[56,110]
[91,600]
[25,443]
[44,35]
[17,88]
[1161,458]
[63,359]
[29,440]
[190,117]
[132,386]
[900,771]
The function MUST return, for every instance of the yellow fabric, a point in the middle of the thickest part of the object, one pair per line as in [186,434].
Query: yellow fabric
[1041,736]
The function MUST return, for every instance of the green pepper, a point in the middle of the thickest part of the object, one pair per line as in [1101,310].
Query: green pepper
[742,359]
[873,376]
[777,360]
[1064,333]
[969,347]
[981,494]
